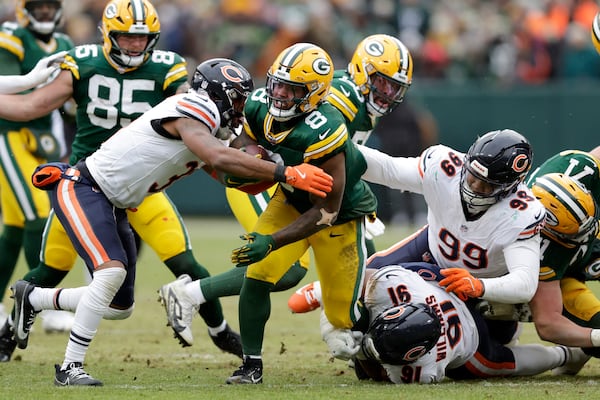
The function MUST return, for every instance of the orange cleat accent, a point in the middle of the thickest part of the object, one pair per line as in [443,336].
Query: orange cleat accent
[306,299]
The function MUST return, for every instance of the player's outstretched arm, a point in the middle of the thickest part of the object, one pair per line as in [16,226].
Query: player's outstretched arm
[39,74]
[197,137]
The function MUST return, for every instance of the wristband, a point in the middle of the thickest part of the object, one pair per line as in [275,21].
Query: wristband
[595,337]
[279,175]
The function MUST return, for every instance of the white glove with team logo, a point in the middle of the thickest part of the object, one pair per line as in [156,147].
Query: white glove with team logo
[342,343]
[374,228]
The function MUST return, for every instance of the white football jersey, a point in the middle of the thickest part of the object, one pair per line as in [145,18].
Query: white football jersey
[392,285]
[137,160]
[478,245]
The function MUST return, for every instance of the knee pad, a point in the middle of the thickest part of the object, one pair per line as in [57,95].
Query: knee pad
[116,314]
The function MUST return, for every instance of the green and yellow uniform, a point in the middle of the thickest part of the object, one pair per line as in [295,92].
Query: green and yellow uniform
[573,266]
[339,250]
[23,146]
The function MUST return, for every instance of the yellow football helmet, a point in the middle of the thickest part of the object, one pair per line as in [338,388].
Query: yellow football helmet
[129,17]
[570,209]
[385,58]
[28,15]
[596,32]
[304,70]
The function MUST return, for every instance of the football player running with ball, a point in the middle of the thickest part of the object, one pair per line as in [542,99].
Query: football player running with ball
[375,82]
[291,119]
[113,84]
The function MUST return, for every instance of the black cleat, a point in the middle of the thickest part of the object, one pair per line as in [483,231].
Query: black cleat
[74,375]
[229,341]
[250,372]
[24,312]
[7,342]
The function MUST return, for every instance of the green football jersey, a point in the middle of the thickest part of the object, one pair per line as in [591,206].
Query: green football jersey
[21,44]
[346,96]
[108,100]
[557,260]
[312,138]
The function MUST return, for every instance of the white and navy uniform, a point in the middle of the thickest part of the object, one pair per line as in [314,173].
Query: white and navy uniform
[502,246]
[138,160]
[467,348]
[459,339]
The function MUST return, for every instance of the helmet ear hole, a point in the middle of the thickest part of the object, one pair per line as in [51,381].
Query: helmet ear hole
[401,335]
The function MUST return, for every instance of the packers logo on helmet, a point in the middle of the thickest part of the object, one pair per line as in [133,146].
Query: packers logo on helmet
[31,16]
[298,81]
[571,212]
[382,67]
[129,17]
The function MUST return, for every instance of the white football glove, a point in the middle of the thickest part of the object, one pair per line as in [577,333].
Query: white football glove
[37,76]
[342,343]
[374,228]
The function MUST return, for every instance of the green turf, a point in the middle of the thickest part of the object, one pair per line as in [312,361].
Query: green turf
[138,358]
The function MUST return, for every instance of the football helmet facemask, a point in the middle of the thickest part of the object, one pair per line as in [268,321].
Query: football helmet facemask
[571,212]
[401,335]
[382,67]
[499,158]
[30,15]
[298,81]
[129,17]
[228,84]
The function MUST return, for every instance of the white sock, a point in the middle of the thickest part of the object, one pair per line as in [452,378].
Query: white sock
[56,299]
[532,359]
[216,330]
[195,292]
[90,310]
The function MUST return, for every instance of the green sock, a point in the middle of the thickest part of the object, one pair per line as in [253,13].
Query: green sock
[292,277]
[254,311]
[10,247]
[185,263]
[32,241]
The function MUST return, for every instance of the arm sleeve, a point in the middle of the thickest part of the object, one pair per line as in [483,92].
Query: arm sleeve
[395,172]
[520,284]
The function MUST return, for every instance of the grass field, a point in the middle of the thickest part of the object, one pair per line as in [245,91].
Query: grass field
[138,358]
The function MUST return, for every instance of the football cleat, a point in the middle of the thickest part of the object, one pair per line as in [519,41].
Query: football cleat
[229,341]
[576,359]
[180,309]
[7,342]
[24,312]
[306,299]
[250,372]
[74,375]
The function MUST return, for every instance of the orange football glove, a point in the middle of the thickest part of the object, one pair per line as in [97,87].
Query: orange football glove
[306,177]
[461,283]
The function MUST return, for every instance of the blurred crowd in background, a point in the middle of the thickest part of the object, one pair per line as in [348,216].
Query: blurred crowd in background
[508,41]
[504,42]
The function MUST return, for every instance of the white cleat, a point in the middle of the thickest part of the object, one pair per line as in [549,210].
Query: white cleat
[180,309]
